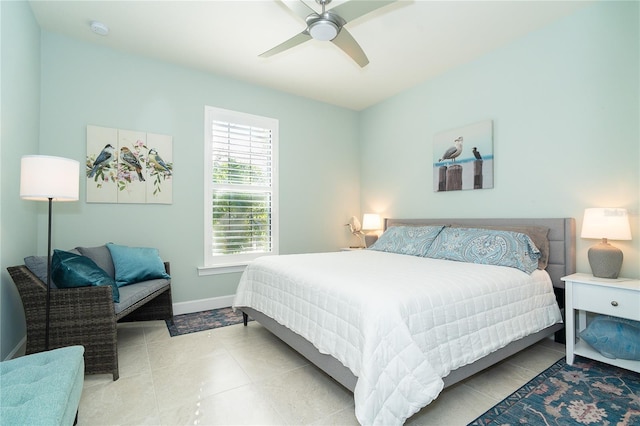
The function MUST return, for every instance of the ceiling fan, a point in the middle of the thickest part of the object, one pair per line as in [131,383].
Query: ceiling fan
[329,26]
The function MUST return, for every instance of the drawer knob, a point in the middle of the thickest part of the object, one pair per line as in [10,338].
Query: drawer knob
[614,303]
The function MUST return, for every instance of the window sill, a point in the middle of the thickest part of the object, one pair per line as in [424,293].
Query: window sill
[221,269]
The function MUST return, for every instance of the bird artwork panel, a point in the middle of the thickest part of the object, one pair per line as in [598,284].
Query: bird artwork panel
[463,158]
[102,165]
[159,169]
[123,167]
[131,167]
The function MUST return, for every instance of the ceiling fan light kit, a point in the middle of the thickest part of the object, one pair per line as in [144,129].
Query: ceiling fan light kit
[323,30]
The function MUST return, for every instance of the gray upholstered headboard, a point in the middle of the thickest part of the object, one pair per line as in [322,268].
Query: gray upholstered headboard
[562,238]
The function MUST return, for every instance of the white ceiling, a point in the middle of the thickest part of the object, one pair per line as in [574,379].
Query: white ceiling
[407,42]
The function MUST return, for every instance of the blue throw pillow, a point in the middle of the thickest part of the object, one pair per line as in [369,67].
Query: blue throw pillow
[136,264]
[486,246]
[412,240]
[73,270]
[614,337]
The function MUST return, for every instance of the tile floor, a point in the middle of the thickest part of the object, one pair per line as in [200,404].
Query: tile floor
[245,375]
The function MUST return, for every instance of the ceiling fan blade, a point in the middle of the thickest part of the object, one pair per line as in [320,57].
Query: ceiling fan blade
[345,41]
[299,7]
[292,42]
[356,8]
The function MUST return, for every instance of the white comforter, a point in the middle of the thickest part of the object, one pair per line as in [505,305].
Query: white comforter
[399,323]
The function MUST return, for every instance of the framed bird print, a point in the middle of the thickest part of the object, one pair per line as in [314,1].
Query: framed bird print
[463,158]
[126,166]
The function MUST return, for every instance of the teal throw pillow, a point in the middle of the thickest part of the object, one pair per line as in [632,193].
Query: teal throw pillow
[614,337]
[73,270]
[411,240]
[136,264]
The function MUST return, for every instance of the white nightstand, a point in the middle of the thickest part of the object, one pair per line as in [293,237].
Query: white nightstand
[351,248]
[585,293]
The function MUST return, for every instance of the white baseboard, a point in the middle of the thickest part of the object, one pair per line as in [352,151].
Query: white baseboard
[202,305]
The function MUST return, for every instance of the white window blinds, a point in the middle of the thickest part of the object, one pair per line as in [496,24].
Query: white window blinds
[243,208]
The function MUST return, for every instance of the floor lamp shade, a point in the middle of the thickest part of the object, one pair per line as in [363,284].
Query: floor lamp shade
[605,224]
[46,178]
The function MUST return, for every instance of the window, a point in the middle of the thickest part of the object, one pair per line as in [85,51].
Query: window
[241,199]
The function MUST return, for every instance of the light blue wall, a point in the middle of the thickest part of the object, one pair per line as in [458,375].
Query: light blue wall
[20,89]
[85,84]
[564,102]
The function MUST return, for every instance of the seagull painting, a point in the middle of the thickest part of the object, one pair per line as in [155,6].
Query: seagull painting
[458,167]
[476,153]
[453,152]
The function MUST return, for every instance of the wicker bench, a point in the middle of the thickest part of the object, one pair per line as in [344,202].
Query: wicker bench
[87,316]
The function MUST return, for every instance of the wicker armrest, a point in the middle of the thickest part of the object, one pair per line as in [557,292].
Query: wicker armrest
[74,312]
[86,304]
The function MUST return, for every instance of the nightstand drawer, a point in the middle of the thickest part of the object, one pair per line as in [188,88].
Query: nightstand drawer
[610,301]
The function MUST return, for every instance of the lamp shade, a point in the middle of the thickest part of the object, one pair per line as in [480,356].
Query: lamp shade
[609,223]
[371,222]
[43,177]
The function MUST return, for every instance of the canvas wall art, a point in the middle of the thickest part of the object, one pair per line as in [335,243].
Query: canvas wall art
[127,166]
[463,158]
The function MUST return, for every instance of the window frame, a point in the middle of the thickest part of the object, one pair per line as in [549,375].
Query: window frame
[236,262]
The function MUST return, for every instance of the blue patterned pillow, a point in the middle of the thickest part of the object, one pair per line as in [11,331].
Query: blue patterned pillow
[485,246]
[614,337]
[413,240]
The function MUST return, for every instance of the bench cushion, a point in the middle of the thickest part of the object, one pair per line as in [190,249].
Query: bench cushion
[133,293]
[42,388]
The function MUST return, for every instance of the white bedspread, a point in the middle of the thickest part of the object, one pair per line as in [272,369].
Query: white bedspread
[399,323]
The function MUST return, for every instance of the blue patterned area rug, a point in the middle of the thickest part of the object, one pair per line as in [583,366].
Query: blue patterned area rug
[205,320]
[585,393]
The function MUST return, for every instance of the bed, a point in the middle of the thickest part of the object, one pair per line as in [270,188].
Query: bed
[395,328]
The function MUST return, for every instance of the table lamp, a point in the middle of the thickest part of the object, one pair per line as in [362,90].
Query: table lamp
[371,222]
[606,224]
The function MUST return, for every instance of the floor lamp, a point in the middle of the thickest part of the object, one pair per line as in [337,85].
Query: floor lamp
[46,178]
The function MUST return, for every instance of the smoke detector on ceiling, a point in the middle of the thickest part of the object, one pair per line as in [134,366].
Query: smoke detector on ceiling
[99,28]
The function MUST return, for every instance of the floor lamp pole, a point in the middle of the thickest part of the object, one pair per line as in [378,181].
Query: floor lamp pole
[48,302]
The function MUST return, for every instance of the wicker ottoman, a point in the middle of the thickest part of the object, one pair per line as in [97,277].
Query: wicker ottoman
[42,388]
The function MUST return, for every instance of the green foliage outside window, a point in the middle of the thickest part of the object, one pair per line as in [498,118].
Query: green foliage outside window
[240,218]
